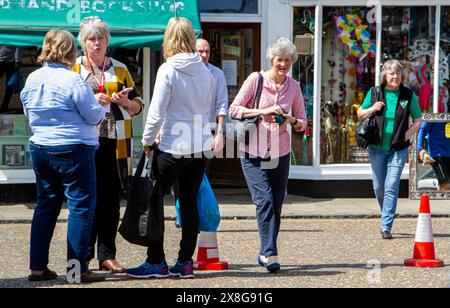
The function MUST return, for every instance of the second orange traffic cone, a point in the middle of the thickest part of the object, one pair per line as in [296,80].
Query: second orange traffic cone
[208,253]
[424,254]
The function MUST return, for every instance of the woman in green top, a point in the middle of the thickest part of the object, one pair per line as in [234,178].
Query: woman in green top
[392,104]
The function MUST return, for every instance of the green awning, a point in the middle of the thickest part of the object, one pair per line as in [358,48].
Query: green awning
[132,23]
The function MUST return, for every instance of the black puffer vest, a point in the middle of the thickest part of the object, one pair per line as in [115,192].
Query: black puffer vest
[402,115]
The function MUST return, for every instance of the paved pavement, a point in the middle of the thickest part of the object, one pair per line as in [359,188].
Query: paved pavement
[314,253]
[332,252]
[240,206]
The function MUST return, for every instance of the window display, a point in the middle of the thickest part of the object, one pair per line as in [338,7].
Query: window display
[303,72]
[409,36]
[13,155]
[14,129]
[444,65]
[348,73]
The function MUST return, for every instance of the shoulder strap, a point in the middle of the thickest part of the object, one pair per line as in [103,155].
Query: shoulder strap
[258,91]
[376,94]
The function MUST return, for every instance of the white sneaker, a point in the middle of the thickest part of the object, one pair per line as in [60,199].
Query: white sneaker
[271,263]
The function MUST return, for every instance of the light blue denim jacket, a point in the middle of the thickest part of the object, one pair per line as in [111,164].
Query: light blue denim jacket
[61,107]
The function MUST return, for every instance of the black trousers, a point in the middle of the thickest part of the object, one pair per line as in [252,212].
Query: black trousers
[7,69]
[189,173]
[107,213]
[442,169]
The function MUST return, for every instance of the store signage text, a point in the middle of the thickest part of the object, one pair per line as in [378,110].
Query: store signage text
[95,6]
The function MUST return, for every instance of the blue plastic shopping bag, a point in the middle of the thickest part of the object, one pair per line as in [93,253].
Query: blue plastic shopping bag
[15,83]
[208,208]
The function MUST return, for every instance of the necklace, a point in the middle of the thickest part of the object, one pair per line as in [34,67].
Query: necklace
[101,82]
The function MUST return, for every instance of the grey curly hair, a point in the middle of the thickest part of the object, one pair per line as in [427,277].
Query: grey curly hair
[92,25]
[282,45]
[392,65]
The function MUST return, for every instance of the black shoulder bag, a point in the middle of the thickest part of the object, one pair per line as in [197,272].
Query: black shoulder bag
[243,128]
[366,130]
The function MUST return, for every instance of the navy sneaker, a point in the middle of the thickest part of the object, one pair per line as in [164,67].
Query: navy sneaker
[183,270]
[147,270]
[271,263]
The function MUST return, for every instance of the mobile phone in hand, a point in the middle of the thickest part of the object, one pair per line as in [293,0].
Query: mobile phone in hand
[126,91]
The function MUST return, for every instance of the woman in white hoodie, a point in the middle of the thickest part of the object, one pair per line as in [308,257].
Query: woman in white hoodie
[179,111]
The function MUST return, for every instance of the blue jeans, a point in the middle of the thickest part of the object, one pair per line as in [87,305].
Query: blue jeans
[387,168]
[63,171]
[268,189]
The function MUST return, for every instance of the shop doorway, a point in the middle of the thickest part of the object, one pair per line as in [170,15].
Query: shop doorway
[236,49]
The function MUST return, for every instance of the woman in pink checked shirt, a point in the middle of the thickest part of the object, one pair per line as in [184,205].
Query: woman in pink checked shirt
[266,161]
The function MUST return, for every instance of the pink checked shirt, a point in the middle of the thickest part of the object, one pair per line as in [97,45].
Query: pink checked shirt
[278,141]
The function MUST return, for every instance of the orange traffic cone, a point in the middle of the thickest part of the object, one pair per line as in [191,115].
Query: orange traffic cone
[424,255]
[208,253]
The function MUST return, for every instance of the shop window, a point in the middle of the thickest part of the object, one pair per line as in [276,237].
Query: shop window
[15,66]
[233,49]
[409,36]
[229,6]
[14,129]
[348,73]
[444,63]
[303,72]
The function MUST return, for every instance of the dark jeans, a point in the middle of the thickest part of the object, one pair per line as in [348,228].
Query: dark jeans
[189,172]
[62,171]
[442,169]
[268,189]
[7,69]
[107,213]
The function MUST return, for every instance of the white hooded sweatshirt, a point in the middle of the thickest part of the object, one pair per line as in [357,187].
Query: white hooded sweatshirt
[181,105]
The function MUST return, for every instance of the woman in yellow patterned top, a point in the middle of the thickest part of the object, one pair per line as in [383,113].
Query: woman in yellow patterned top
[114,89]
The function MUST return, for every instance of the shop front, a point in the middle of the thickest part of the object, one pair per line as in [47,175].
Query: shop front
[236,31]
[136,40]
[342,46]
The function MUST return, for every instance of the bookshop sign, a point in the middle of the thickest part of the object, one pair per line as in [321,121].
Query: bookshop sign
[132,23]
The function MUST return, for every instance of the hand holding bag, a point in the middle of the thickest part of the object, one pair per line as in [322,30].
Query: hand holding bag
[367,130]
[243,128]
[143,222]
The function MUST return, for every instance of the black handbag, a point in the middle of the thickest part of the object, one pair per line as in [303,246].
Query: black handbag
[367,130]
[244,128]
[143,221]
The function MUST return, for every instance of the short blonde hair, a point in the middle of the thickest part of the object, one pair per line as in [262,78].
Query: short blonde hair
[92,25]
[179,37]
[59,47]
[392,65]
[282,45]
